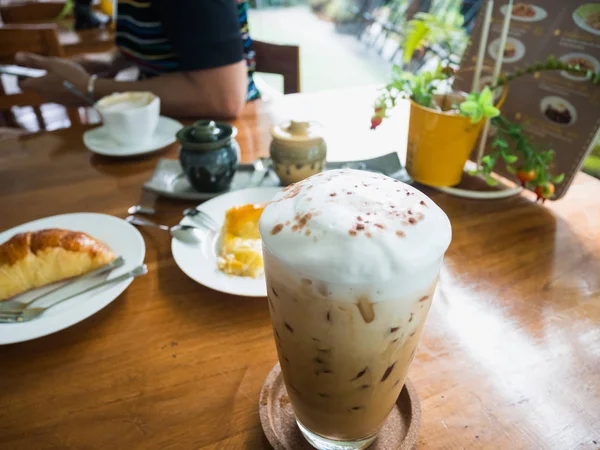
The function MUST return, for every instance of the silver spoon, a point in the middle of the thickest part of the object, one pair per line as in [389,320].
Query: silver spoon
[140,209]
[261,170]
[90,101]
[73,90]
[201,217]
[183,233]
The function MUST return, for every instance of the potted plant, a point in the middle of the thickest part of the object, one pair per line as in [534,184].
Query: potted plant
[444,123]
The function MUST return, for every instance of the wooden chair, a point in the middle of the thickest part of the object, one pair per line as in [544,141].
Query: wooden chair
[40,39]
[31,12]
[280,59]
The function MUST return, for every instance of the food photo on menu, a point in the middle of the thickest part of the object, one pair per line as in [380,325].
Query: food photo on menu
[587,17]
[374,229]
[526,12]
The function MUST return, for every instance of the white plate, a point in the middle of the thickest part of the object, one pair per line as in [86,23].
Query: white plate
[581,22]
[121,237]
[540,14]
[519,49]
[99,141]
[199,262]
[573,77]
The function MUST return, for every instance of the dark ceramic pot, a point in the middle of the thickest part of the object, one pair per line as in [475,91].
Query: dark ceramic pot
[209,155]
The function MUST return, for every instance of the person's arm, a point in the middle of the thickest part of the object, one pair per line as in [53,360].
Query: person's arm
[107,64]
[206,37]
[212,80]
[217,93]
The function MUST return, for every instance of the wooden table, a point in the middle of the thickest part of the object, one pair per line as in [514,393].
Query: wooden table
[510,357]
[76,42]
[85,41]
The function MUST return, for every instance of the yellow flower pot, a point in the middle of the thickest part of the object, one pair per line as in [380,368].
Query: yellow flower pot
[439,143]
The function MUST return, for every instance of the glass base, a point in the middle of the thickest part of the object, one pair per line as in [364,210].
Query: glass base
[321,443]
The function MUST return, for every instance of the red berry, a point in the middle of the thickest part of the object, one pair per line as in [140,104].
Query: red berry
[544,192]
[525,176]
[376,121]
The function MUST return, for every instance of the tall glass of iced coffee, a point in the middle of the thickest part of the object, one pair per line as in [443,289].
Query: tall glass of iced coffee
[351,261]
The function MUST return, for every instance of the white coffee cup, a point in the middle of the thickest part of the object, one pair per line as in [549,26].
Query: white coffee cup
[130,117]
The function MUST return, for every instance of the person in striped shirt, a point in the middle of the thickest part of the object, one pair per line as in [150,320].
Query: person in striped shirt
[196,55]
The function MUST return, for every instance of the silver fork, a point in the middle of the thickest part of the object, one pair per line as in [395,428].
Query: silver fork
[15,305]
[18,316]
[202,218]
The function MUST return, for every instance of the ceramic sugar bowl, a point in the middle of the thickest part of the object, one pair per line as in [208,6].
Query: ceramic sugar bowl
[209,155]
[298,150]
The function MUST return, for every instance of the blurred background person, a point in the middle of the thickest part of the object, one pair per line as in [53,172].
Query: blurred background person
[192,54]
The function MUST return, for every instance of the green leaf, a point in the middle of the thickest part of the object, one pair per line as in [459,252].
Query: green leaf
[552,63]
[490,111]
[67,10]
[486,96]
[511,169]
[468,107]
[500,143]
[548,156]
[558,179]
[415,37]
[510,159]
[491,181]
[473,172]
[477,116]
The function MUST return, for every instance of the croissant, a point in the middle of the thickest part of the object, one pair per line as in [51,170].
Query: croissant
[35,259]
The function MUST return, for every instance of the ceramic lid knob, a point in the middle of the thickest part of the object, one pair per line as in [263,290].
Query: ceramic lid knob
[205,135]
[298,132]
[204,131]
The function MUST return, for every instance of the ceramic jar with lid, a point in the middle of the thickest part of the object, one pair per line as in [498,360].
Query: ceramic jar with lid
[298,150]
[209,155]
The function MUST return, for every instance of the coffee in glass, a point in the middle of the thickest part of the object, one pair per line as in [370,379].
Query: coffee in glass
[351,262]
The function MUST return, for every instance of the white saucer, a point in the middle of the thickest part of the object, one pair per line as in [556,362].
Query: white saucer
[123,239]
[199,261]
[99,141]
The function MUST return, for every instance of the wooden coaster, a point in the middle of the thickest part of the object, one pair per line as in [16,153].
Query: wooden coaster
[399,432]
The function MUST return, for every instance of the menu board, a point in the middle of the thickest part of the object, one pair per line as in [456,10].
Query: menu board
[558,110]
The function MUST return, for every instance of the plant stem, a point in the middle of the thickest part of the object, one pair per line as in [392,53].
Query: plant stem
[550,64]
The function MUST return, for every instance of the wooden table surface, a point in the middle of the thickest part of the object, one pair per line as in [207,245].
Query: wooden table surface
[75,42]
[86,41]
[510,356]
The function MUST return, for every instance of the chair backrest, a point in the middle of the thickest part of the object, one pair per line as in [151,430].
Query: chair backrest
[40,39]
[31,12]
[280,59]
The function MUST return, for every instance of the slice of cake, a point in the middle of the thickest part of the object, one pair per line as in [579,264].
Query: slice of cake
[509,50]
[241,247]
